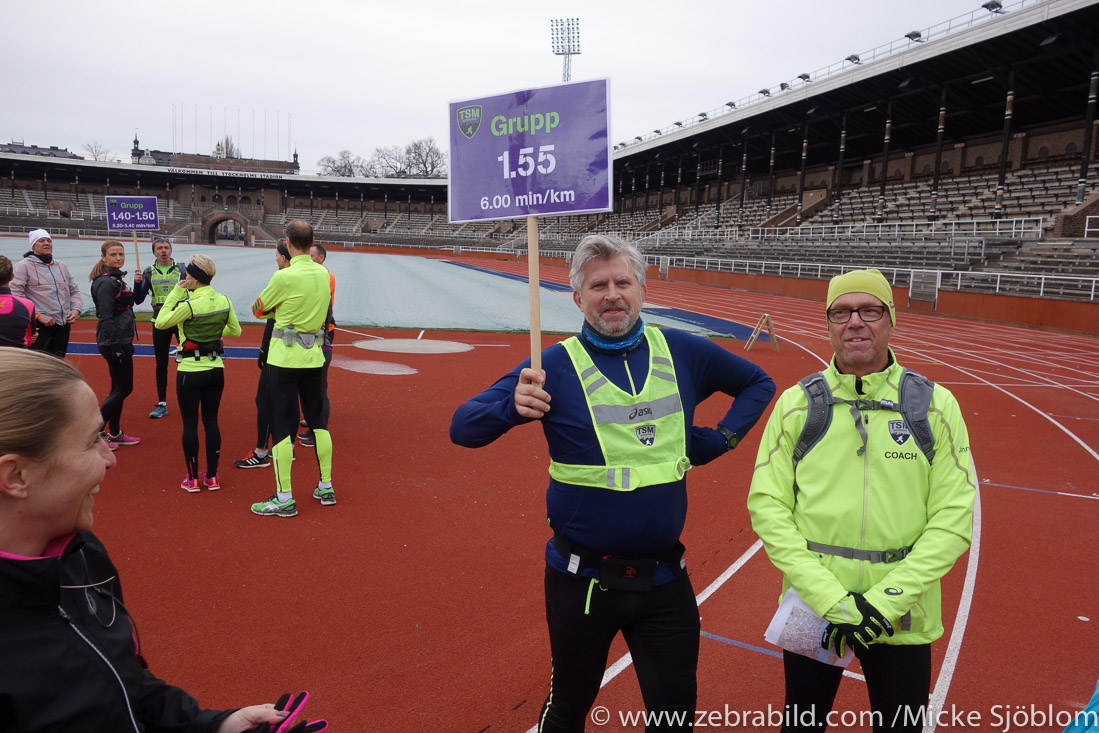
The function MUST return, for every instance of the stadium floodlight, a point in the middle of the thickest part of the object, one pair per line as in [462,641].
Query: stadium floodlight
[993,6]
[804,77]
[765,92]
[679,124]
[854,58]
[914,36]
[783,86]
[565,37]
[657,132]
[702,116]
[731,105]
[638,138]
[621,145]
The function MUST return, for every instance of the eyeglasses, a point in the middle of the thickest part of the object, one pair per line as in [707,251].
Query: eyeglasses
[868,314]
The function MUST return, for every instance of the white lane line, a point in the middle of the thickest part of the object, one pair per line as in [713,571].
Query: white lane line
[1012,395]
[357,333]
[420,336]
[954,647]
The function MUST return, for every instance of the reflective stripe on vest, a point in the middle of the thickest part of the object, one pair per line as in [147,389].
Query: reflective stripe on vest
[642,437]
[162,281]
[205,326]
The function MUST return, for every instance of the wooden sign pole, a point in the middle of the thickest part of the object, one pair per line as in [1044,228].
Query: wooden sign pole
[535,303]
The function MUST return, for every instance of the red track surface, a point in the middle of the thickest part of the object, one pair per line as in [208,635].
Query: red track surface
[415,603]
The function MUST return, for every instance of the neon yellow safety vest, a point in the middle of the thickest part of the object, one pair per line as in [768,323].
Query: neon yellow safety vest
[202,316]
[642,437]
[161,282]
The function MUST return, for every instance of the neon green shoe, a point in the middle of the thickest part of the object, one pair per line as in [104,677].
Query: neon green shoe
[327,497]
[275,508]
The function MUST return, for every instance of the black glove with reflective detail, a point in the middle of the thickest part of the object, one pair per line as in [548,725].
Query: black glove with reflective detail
[866,624]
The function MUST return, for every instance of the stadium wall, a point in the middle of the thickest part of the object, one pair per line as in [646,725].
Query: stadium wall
[1054,314]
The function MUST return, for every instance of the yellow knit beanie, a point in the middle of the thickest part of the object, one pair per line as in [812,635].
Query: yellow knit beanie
[863,281]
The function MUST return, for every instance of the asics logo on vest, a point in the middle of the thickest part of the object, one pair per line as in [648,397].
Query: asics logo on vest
[641,412]
[894,592]
[646,434]
[899,432]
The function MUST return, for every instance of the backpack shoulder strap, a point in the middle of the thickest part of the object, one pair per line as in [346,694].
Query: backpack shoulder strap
[915,397]
[819,417]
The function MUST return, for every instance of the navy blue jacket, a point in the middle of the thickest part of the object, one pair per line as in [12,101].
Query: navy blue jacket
[646,522]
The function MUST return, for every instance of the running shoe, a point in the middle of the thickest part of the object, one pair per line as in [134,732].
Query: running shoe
[307,440]
[275,508]
[327,497]
[190,485]
[253,461]
[122,439]
[213,483]
[106,438]
[159,411]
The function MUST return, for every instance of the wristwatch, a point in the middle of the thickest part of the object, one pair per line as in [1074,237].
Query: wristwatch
[731,438]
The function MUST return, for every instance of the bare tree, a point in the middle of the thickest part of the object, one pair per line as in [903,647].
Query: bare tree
[420,159]
[388,162]
[424,159]
[97,150]
[345,165]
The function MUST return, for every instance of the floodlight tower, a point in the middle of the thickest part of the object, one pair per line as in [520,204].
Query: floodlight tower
[565,35]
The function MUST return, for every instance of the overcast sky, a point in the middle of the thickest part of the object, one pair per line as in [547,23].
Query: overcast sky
[334,75]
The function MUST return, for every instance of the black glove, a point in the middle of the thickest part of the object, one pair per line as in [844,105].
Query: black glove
[867,624]
[293,706]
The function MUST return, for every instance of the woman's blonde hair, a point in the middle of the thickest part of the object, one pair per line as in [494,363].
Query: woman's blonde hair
[204,263]
[100,266]
[36,390]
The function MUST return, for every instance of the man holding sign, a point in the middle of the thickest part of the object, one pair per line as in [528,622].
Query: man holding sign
[616,404]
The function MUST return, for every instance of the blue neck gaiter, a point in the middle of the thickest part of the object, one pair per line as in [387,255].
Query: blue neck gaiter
[610,344]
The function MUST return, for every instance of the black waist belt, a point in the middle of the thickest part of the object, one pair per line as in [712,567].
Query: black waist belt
[616,571]
[852,553]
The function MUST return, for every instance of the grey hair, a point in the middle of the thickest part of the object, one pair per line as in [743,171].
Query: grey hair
[604,246]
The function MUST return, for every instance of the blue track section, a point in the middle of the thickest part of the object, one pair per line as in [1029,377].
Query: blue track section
[718,326]
[231,352]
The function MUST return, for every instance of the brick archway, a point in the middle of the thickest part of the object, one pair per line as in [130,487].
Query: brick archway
[210,222]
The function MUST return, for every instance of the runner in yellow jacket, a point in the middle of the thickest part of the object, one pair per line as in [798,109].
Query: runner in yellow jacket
[864,523]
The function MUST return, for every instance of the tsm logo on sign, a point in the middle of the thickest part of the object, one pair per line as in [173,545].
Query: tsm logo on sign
[646,434]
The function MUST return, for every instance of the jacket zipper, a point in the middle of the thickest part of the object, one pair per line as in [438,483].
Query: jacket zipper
[94,648]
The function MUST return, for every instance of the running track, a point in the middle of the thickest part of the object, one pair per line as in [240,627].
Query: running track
[415,603]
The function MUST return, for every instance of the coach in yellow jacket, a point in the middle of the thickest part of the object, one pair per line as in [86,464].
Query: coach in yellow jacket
[863,496]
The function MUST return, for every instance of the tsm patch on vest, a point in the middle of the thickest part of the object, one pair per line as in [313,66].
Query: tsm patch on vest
[899,432]
[646,434]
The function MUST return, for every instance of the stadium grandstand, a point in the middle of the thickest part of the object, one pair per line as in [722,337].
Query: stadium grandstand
[960,157]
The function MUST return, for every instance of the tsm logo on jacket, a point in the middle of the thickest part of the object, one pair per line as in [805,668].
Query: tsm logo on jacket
[646,434]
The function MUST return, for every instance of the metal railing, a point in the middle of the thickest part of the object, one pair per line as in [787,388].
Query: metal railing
[1003,283]
[1017,228]
[1091,226]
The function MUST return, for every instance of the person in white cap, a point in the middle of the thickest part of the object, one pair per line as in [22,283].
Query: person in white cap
[48,284]
[863,495]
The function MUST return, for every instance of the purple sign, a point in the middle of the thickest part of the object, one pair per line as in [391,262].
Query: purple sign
[132,212]
[537,152]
